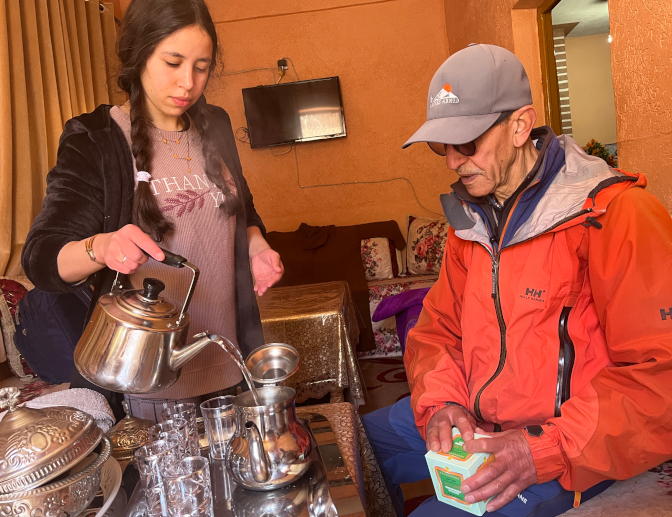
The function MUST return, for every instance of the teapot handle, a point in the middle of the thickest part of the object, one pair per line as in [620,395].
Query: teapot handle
[174,260]
[170,258]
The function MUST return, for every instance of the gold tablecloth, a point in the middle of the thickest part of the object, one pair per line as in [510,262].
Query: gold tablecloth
[357,455]
[320,321]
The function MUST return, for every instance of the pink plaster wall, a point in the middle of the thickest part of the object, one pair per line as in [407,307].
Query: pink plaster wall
[385,53]
[480,21]
[641,60]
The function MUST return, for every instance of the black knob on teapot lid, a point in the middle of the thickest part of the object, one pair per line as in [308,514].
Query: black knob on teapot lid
[147,303]
[152,288]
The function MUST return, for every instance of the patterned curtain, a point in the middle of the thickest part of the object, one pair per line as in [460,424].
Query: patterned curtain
[57,60]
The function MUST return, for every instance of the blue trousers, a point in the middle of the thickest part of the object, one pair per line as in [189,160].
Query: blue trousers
[400,451]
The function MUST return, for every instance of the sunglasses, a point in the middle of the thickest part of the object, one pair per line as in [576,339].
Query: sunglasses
[468,149]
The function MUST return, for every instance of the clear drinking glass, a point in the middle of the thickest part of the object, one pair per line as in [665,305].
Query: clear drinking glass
[174,426]
[186,410]
[152,459]
[187,487]
[219,418]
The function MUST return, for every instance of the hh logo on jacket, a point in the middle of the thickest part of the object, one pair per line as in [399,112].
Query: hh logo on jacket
[536,295]
[664,314]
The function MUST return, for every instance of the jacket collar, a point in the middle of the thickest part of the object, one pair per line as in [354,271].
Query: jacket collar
[517,208]
[569,189]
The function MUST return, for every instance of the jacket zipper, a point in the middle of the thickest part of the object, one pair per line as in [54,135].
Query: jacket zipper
[500,317]
[565,362]
[502,334]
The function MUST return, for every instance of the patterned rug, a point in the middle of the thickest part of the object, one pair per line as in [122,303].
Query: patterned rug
[665,477]
[385,379]
[31,389]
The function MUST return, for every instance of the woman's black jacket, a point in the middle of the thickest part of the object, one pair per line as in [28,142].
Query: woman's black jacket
[90,191]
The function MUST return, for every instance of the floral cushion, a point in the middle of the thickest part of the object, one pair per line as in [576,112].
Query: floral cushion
[379,259]
[426,243]
[385,332]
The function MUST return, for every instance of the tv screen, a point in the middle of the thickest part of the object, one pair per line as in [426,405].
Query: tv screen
[294,112]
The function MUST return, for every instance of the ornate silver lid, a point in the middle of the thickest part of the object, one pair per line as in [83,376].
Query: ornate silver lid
[37,445]
[129,434]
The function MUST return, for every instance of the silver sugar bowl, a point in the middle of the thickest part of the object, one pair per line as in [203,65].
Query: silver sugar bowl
[50,459]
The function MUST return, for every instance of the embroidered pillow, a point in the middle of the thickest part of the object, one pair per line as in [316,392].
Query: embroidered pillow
[379,259]
[426,243]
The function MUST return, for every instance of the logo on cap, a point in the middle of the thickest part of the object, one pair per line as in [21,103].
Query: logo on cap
[445,96]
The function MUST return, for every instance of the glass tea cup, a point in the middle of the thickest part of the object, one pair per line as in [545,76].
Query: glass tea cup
[152,458]
[174,426]
[219,419]
[187,488]
[186,410]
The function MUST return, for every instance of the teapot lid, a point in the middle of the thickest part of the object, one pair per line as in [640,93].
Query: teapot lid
[37,445]
[146,302]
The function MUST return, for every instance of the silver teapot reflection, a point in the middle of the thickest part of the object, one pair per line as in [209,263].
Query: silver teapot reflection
[309,496]
[271,448]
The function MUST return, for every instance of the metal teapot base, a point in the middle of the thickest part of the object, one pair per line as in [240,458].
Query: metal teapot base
[271,448]
[290,476]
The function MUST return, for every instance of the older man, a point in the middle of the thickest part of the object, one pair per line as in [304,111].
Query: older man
[550,326]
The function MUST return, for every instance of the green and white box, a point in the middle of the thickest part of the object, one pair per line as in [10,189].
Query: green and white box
[448,470]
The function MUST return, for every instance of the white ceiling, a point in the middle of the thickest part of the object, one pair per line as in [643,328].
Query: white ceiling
[592,15]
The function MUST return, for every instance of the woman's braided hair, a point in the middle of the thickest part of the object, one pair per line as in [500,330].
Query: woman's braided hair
[147,23]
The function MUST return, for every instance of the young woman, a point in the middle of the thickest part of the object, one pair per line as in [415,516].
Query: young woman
[162,168]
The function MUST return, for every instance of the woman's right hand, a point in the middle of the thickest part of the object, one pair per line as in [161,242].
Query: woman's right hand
[123,250]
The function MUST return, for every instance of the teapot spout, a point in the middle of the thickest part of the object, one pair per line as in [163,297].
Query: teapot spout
[258,459]
[178,358]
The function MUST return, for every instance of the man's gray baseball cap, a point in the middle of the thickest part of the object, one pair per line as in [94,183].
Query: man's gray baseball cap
[469,92]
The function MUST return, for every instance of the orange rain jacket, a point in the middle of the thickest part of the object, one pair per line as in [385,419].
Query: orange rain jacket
[569,326]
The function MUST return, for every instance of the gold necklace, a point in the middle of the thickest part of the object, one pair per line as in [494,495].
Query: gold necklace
[167,141]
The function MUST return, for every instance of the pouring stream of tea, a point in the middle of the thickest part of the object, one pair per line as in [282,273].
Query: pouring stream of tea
[238,359]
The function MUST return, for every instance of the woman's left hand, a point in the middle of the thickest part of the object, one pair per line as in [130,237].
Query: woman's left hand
[267,269]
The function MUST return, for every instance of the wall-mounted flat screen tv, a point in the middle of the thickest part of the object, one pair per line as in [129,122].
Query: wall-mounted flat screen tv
[294,112]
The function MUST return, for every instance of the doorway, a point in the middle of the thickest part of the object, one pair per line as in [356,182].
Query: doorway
[581,49]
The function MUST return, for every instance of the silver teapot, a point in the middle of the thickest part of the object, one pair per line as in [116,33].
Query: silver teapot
[136,340]
[270,448]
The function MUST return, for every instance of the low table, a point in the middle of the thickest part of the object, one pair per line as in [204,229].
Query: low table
[348,433]
[320,321]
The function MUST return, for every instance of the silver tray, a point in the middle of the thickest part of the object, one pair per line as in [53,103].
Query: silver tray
[311,496]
